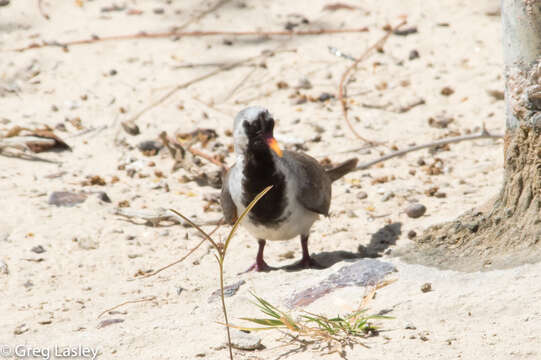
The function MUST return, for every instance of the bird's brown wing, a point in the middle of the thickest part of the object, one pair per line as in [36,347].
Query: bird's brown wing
[228,206]
[313,184]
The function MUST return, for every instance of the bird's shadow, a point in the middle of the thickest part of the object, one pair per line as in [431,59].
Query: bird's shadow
[380,241]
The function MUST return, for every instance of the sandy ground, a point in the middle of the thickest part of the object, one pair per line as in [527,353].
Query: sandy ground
[90,253]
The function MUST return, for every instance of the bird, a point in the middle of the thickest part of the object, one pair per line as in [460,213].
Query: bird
[301,189]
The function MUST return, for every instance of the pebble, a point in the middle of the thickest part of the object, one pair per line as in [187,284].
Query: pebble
[412,234]
[447,91]
[4,268]
[243,341]
[410,326]
[325,96]
[388,195]
[304,84]
[362,195]
[229,291]
[20,329]
[150,145]
[38,249]
[87,243]
[414,54]
[102,195]
[415,210]
[426,287]
[66,198]
[130,128]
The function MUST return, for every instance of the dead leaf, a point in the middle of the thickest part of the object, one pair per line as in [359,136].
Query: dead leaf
[58,144]
[339,6]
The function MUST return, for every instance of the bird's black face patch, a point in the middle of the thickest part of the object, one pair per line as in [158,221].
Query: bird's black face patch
[260,171]
[259,130]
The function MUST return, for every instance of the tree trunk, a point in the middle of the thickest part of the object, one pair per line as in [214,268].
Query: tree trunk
[507,230]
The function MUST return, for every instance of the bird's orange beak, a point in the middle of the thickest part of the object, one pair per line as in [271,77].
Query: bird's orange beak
[273,144]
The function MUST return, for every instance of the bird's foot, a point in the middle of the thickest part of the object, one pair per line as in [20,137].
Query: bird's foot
[258,266]
[306,263]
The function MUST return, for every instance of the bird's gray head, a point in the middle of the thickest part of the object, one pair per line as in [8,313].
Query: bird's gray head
[254,126]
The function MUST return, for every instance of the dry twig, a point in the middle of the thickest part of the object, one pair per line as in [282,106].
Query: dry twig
[19,144]
[149,298]
[181,259]
[484,134]
[197,33]
[153,218]
[345,77]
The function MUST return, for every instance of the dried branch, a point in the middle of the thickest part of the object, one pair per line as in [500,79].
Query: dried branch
[153,218]
[181,259]
[150,298]
[144,35]
[209,158]
[484,134]
[19,144]
[345,77]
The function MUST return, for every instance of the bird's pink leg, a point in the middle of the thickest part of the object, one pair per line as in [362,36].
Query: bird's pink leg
[307,261]
[260,264]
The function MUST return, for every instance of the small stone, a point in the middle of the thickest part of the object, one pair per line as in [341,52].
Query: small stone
[352,214]
[412,234]
[414,54]
[325,96]
[447,91]
[362,195]
[65,198]
[282,85]
[415,211]
[387,196]
[158,11]
[4,2]
[38,249]
[304,84]
[229,291]
[421,162]
[130,127]
[102,195]
[150,147]
[4,268]
[108,322]
[113,72]
[28,284]
[496,94]
[243,341]
[405,32]
[410,326]
[20,329]
[440,121]
[87,243]
[426,287]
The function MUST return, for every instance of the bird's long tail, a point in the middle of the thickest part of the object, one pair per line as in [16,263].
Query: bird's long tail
[342,169]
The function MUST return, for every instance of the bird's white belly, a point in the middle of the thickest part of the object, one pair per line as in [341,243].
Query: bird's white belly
[298,223]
